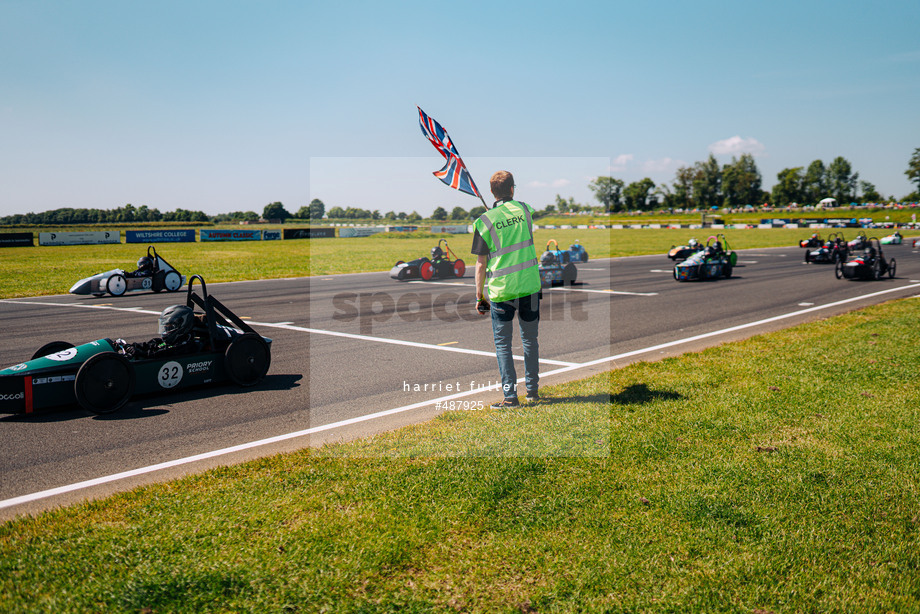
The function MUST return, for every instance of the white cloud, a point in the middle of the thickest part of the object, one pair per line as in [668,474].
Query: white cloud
[537,184]
[737,145]
[560,183]
[659,166]
[619,163]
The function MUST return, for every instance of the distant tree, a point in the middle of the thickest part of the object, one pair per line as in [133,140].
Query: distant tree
[413,217]
[741,182]
[707,183]
[683,187]
[459,213]
[788,188]
[550,209]
[439,214]
[389,215]
[337,213]
[842,181]
[275,211]
[562,204]
[814,183]
[913,171]
[636,194]
[475,212]
[401,215]
[375,214]
[608,191]
[869,193]
[317,209]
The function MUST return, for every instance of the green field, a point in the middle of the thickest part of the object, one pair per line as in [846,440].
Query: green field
[777,474]
[34,271]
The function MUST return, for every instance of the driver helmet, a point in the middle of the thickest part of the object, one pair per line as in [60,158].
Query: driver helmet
[547,258]
[144,263]
[436,253]
[175,322]
[692,243]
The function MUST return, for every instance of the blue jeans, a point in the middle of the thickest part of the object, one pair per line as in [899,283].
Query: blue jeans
[528,310]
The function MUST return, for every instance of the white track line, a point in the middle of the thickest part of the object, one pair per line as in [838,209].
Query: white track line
[606,291]
[290,326]
[44,494]
[428,346]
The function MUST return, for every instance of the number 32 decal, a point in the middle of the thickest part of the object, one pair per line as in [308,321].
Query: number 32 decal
[170,374]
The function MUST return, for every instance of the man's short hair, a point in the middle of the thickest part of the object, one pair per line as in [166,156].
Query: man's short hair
[502,185]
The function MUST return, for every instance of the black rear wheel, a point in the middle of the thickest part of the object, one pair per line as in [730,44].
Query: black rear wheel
[838,269]
[892,267]
[247,359]
[104,383]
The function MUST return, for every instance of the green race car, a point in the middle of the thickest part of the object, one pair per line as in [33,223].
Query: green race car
[102,375]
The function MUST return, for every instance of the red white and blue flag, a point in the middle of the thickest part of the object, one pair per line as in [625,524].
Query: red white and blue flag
[455,174]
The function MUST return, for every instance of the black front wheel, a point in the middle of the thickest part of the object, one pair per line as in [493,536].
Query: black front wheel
[247,359]
[892,267]
[104,383]
[838,269]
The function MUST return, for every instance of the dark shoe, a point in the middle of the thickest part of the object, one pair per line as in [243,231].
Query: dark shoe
[532,397]
[506,404]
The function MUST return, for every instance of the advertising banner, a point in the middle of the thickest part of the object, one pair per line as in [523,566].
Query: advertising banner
[308,233]
[362,231]
[454,230]
[230,235]
[79,238]
[185,235]
[16,239]
[271,235]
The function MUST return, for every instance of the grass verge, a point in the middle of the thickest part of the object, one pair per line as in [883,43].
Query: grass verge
[777,474]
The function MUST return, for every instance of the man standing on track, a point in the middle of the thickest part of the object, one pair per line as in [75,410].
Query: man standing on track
[503,242]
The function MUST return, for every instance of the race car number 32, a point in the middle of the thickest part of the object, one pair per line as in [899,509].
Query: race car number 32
[170,374]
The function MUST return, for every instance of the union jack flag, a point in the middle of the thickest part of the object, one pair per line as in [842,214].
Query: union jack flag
[455,174]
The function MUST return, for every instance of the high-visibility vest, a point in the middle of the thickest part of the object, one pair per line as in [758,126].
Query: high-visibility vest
[513,269]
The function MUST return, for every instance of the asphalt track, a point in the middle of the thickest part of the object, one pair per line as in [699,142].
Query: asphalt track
[358,354]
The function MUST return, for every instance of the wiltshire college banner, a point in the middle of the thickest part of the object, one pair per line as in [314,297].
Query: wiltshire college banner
[230,235]
[160,236]
[79,238]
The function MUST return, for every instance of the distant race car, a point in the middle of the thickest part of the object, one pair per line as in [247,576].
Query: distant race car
[869,264]
[555,266]
[812,241]
[711,263]
[860,242]
[894,238]
[833,250]
[440,265]
[577,253]
[153,273]
[682,252]
[102,375]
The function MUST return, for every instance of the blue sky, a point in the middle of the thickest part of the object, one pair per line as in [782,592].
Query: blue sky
[229,105]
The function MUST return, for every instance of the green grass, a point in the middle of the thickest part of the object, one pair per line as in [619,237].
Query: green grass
[777,474]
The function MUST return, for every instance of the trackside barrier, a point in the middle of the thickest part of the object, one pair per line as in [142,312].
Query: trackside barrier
[16,239]
[362,231]
[308,233]
[79,238]
[230,235]
[271,235]
[184,235]
[454,230]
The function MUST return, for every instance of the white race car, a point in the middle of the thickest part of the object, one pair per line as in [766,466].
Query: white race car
[153,273]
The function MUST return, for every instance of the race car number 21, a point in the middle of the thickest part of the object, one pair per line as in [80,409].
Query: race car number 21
[170,374]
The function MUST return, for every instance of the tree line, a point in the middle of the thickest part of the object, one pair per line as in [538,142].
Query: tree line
[703,185]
